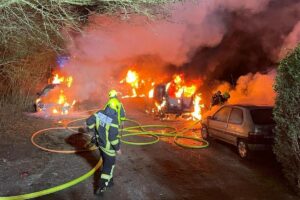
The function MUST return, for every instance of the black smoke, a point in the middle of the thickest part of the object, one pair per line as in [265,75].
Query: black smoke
[251,44]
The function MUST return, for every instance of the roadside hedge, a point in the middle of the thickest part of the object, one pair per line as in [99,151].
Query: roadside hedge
[287,117]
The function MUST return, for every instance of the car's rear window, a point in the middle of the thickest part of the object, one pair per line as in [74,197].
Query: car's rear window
[262,116]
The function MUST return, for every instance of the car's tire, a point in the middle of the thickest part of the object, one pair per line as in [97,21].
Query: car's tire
[242,148]
[204,133]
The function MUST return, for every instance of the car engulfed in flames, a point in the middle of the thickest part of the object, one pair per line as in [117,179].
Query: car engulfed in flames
[176,97]
[168,97]
[53,98]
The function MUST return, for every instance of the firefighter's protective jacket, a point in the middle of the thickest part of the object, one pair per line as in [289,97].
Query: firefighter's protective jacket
[105,125]
[120,110]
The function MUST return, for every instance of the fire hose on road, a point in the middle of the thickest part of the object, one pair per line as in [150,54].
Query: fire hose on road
[137,130]
[176,134]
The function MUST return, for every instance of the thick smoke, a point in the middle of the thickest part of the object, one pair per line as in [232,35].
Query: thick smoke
[291,40]
[252,88]
[252,43]
[210,39]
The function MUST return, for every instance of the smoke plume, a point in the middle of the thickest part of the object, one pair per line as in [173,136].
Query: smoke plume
[291,40]
[216,40]
[252,88]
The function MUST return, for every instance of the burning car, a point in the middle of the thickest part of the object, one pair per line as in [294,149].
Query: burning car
[39,105]
[176,98]
[164,103]
[52,99]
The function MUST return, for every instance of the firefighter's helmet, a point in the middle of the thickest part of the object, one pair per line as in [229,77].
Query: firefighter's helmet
[112,93]
[226,95]
[114,104]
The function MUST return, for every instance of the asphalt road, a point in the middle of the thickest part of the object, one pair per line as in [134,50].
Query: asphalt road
[159,171]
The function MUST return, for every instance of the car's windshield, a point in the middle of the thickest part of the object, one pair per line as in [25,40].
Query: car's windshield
[262,116]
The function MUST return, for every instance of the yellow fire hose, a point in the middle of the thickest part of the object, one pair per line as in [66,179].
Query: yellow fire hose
[56,188]
[133,131]
[137,130]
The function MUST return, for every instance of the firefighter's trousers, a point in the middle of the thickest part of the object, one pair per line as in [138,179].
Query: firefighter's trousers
[107,169]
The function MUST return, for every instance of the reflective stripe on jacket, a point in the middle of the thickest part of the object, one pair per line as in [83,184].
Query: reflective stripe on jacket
[106,132]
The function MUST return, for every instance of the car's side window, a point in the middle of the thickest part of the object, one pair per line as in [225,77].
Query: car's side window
[222,115]
[236,116]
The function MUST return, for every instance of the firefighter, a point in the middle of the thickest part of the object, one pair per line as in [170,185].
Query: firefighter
[225,97]
[121,111]
[104,124]
[216,98]
[219,99]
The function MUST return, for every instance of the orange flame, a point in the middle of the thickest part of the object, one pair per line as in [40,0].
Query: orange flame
[69,81]
[151,93]
[197,107]
[57,79]
[133,79]
[189,91]
[177,79]
[61,79]
[63,106]
[162,105]
[178,88]
[179,92]
[61,98]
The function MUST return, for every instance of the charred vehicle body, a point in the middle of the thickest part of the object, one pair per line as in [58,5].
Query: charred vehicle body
[39,104]
[165,102]
[53,98]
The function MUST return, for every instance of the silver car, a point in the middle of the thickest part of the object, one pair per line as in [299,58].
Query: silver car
[248,127]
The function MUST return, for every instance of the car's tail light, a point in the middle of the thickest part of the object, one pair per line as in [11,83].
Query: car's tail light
[257,133]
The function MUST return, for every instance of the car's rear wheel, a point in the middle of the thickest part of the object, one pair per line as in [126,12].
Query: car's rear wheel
[204,133]
[242,148]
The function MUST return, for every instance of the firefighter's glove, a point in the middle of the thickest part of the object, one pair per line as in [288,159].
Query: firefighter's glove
[119,152]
